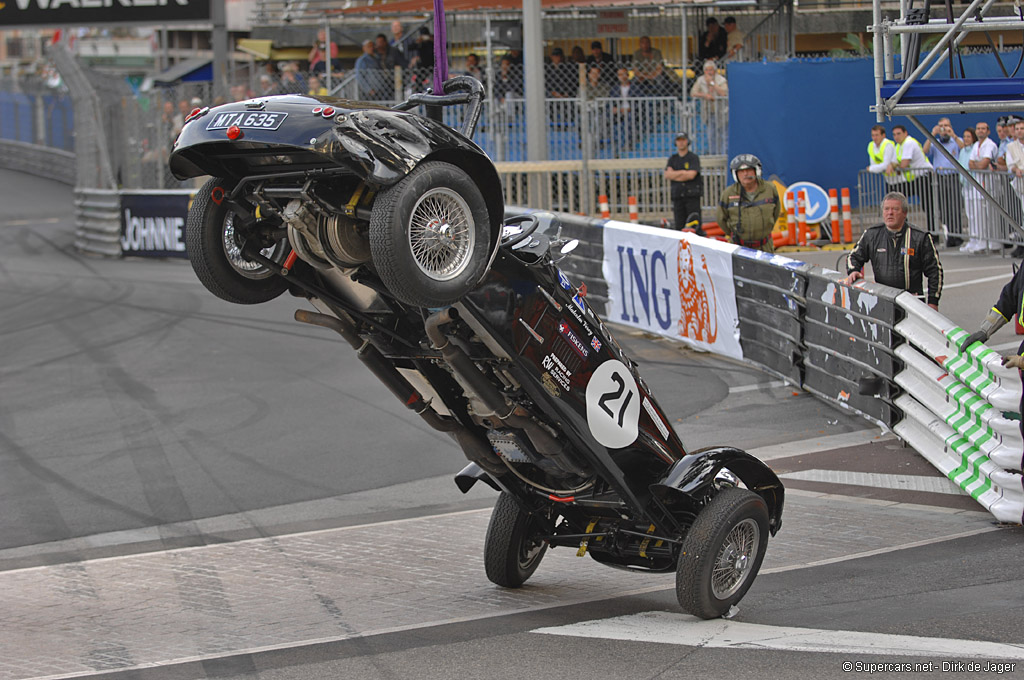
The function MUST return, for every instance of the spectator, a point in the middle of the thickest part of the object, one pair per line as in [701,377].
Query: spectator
[914,170]
[597,88]
[318,53]
[647,66]
[167,119]
[398,49]
[473,68]
[712,42]
[240,92]
[604,61]
[711,85]
[983,157]
[881,154]
[950,201]
[712,90]
[734,38]
[291,81]
[316,88]
[515,55]
[970,138]
[560,80]
[368,74]
[268,85]
[900,254]
[383,51]
[422,60]
[507,82]
[622,110]
[576,56]
[687,186]
[1015,166]
[1005,135]
[179,118]
[749,208]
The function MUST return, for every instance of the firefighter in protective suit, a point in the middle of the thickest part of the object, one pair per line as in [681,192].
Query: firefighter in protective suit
[748,209]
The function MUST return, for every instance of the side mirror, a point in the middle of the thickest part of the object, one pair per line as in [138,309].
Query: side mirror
[569,246]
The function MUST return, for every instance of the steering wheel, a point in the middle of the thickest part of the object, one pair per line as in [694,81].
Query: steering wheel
[532,223]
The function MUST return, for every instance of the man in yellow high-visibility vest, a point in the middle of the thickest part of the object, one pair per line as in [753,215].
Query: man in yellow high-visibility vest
[882,154]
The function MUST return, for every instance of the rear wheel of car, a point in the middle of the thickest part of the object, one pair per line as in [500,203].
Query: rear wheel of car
[430,235]
[722,553]
[214,238]
[512,549]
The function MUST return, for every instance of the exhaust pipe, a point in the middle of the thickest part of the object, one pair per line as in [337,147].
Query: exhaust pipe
[545,443]
[476,447]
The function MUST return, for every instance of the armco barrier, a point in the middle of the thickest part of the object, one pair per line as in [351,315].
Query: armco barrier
[770,294]
[849,336]
[961,410]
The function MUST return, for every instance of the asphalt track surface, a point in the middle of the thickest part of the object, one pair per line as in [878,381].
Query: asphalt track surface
[193,489]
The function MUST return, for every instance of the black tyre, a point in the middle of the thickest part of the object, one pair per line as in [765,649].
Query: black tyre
[214,249]
[512,550]
[430,235]
[722,553]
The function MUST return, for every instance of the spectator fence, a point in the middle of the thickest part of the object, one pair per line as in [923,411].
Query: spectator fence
[947,206]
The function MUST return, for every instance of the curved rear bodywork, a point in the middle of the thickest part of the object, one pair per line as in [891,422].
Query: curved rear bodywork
[305,136]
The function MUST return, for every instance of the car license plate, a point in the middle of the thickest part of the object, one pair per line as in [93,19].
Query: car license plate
[247,119]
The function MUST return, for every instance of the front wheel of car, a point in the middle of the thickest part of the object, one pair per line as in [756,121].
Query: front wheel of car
[722,553]
[430,235]
[513,548]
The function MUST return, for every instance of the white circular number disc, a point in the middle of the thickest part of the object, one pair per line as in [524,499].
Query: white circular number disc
[613,405]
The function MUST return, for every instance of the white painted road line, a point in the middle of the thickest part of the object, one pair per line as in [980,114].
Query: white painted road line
[1001,277]
[818,444]
[681,629]
[877,480]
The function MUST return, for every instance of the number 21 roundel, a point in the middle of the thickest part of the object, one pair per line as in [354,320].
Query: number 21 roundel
[613,405]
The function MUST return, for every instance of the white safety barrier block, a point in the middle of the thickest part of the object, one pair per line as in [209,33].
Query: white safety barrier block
[1001,492]
[983,425]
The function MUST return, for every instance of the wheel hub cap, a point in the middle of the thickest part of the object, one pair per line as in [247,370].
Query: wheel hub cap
[733,562]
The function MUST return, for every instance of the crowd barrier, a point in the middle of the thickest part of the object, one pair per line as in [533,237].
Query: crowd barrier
[868,348]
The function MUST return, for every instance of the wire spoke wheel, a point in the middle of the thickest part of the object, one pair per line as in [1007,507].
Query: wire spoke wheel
[735,559]
[431,235]
[441,234]
[214,246]
[233,251]
[722,553]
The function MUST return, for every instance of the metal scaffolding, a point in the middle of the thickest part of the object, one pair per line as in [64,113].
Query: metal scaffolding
[912,91]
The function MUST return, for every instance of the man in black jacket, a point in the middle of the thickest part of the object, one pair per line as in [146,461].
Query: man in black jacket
[683,174]
[899,253]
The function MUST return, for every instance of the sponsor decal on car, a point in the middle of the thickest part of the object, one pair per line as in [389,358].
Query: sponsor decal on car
[558,370]
[574,341]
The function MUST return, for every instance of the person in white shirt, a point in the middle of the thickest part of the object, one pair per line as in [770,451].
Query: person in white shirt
[915,173]
[979,213]
[1015,166]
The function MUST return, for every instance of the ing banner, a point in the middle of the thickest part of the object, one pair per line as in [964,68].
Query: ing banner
[673,284]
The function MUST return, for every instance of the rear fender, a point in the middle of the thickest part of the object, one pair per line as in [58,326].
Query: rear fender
[690,477]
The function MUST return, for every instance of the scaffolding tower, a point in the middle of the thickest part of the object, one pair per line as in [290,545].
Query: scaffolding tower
[912,91]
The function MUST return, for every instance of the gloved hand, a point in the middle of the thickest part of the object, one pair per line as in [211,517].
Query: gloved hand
[1014,361]
[977,336]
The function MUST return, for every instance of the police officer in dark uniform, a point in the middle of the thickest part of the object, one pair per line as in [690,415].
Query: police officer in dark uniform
[687,186]
[749,208]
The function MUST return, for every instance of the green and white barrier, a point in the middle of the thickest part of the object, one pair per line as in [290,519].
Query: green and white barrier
[960,409]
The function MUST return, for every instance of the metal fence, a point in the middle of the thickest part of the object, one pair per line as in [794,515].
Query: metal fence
[36,110]
[944,203]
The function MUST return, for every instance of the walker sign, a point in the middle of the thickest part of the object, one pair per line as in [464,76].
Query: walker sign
[78,12]
[673,284]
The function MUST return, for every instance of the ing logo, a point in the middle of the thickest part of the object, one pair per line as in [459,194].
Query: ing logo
[697,320]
